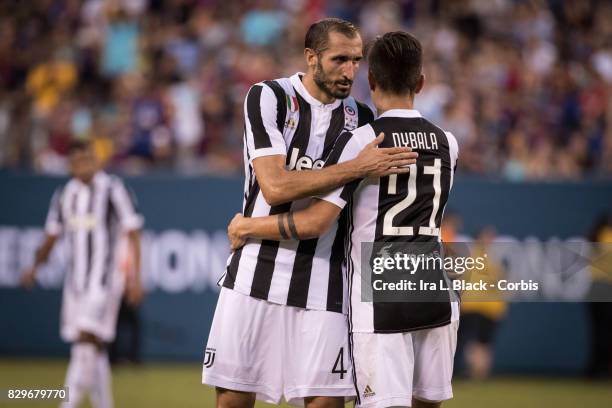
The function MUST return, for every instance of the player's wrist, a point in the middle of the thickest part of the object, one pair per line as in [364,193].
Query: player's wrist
[244,228]
[355,168]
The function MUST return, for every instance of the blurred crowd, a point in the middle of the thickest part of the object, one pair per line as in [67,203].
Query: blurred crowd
[159,84]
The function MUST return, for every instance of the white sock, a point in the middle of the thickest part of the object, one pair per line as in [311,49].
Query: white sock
[101,391]
[80,374]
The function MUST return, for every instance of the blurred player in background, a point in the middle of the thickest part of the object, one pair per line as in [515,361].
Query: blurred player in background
[402,351]
[600,360]
[481,313]
[91,211]
[279,328]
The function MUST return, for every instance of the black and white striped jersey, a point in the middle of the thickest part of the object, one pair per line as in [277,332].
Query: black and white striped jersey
[282,118]
[406,208]
[91,217]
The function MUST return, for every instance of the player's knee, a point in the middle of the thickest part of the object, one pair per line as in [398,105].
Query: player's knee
[422,403]
[324,402]
[87,337]
[234,399]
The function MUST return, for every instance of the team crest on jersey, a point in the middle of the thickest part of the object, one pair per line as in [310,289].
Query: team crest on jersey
[290,123]
[209,357]
[350,118]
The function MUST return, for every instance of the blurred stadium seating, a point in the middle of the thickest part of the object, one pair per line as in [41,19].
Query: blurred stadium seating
[524,85]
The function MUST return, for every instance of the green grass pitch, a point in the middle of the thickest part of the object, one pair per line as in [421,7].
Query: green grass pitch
[178,385]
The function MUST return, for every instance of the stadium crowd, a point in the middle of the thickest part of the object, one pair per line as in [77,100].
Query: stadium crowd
[159,85]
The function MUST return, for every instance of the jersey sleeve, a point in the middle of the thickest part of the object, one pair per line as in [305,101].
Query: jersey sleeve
[347,147]
[453,148]
[125,204]
[262,134]
[54,224]
[453,151]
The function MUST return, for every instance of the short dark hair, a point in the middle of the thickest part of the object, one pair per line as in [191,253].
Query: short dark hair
[317,37]
[79,145]
[395,61]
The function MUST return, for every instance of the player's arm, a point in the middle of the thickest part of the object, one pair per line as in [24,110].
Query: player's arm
[280,185]
[310,222]
[136,293]
[131,223]
[53,228]
[40,258]
[267,152]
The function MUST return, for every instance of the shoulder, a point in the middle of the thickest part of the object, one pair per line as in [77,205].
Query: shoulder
[453,145]
[354,107]
[112,180]
[265,92]
[59,192]
[282,83]
[356,138]
[272,86]
[364,108]
[366,115]
[70,185]
[364,134]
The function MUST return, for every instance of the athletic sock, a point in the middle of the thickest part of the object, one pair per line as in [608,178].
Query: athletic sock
[101,392]
[80,374]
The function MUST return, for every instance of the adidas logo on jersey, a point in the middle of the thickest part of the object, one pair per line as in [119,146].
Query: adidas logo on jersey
[368,392]
[209,357]
[304,162]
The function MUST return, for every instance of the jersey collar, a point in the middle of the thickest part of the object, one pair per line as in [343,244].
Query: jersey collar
[401,113]
[296,81]
[97,178]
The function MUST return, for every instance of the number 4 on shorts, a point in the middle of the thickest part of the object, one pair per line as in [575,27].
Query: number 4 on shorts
[339,364]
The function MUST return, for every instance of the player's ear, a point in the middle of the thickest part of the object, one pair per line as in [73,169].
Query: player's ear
[311,58]
[371,81]
[420,84]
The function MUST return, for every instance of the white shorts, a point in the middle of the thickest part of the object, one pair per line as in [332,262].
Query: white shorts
[391,368]
[94,311]
[277,351]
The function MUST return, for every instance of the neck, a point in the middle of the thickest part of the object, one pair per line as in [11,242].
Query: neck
[388,102]
[87,180]
[314,90]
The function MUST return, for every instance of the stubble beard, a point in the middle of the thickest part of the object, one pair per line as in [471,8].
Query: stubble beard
[327,85]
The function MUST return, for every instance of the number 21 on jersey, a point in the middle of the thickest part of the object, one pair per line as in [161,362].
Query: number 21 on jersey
[432,229]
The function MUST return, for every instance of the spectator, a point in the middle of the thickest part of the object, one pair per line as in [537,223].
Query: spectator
[525,86]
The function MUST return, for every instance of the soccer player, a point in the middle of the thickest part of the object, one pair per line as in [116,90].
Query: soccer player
[91,211]
[279,329]
[403,351]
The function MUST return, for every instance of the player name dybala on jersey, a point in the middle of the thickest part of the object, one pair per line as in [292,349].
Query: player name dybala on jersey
[281,117]
[400,208]
[90,216]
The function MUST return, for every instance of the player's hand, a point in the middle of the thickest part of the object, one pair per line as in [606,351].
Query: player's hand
[234,232]
[134,293]
[374,161]
[28,278]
